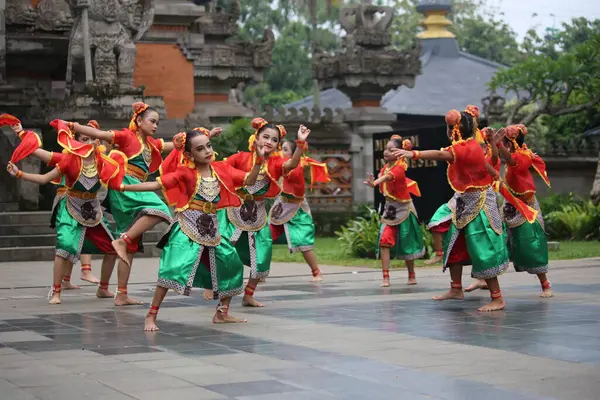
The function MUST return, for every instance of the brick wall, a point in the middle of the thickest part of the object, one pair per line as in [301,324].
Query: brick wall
[165,71]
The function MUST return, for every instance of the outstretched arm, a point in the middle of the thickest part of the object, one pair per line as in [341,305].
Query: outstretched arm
[372,182]
[169,146]
[42,154]
[437,155]
[92,132]
[141,187]
[35,178]
[293,162]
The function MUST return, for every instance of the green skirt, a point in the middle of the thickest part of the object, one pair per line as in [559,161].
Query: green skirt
[255,249]
[73,239]
[409,243]
[487,251]
[529,248]
[299,232]
[185,264]
[442,214]
[128,207]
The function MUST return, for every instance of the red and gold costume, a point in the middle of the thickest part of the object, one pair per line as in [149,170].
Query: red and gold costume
[290,213]
[528,243]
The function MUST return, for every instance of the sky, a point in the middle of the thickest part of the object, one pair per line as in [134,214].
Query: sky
[550,13]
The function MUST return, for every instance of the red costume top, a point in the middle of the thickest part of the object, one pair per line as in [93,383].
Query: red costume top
[468,169]
[70,166]
[244,161]
[518,177]
[399,188]
[488,158]
[180,187]
[132,145]
[293,182]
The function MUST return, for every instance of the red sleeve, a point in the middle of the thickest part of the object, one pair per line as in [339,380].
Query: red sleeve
[276,167]
[55,158]
[237,176]
[234,159]
[171,180]
[120,138]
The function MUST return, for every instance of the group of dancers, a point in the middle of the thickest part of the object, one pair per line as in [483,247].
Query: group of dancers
[221,221]
[471,229]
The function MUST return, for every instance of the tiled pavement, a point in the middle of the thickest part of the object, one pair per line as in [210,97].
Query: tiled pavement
[343,339]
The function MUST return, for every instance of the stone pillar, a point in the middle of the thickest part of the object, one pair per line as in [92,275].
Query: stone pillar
[365,122]
[365,70]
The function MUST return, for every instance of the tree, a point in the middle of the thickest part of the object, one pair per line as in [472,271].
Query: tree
[234,138]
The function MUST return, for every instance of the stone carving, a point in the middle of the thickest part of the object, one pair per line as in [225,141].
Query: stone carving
[114,27]
[53,15]
[366,65]
[20,12]
[493,107]
[218,21]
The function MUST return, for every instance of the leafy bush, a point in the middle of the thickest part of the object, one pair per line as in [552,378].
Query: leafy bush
[359,236]
[575,221]
[428,239]
[555,202]
[233,139]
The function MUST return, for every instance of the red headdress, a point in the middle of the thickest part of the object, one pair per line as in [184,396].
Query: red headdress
[258,124]
[453,118]
[30,141]
[473,111]
[138,108]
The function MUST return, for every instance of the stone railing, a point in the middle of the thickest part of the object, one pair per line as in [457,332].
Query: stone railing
[304,114]
[576,147]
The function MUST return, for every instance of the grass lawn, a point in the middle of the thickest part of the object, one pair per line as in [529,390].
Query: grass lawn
[329,253]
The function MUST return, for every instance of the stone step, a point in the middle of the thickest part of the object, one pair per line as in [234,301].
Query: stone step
[26,229]
[25,218]
[46,253]
[49,239]
[9,206]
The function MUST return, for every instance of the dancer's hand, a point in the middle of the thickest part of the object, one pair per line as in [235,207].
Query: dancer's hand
[402,153]
[370,181]
[17,128]
[499,135]
[303,133]
[216,132]
[260,151]
[179,140]
[12,169]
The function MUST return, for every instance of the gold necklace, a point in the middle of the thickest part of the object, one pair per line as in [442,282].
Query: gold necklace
[89,170]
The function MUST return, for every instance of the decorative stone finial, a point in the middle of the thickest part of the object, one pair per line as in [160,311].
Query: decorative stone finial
[435,22]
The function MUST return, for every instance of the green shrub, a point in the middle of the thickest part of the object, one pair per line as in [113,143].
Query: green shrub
[428,239]
[359,236]
[555,202]
[574,221]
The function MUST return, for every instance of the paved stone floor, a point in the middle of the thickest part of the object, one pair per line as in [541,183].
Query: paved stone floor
[343,339]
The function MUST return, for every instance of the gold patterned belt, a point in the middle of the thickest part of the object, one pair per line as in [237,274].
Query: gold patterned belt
[82,195]
[136,172]
[296,200]
[205,206]
[61,191]
[248,196]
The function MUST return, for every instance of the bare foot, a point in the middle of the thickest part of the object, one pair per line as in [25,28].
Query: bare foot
[208,294]
[55,299]
[263,280]
[412,281]
[250,301]
[494,305]
[124,300]
[546,293]
[222,318]
[433,260]
[385,283]
[452,294]
[150,323]
[66,285]
[477,284]
[121,248]
[317,278]
[89,277]
[104,294]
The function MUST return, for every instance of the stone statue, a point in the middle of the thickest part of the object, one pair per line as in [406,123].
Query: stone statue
[114,27]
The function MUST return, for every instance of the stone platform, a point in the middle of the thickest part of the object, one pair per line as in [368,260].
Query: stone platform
[343,339]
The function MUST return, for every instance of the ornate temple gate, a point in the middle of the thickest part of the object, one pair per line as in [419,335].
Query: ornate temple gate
[430,175]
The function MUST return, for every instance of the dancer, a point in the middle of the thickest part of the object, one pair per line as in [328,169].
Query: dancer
[475,235]
[246,226]
[400,230]
[193,253]
[290,213]
[528,243]
[80,223]
[134,213]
